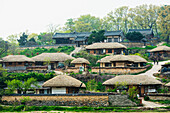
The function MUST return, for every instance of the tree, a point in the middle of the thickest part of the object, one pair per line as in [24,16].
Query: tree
[23,87]
[12,39]
[31,42]
[23,39]
[164,17]
[134,36]
[4,46]
[52,29]
[45,39]
[96,36]
[132,92]
[92,85]
[70,25]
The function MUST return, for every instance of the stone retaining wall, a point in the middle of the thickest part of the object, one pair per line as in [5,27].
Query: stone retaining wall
[99,100]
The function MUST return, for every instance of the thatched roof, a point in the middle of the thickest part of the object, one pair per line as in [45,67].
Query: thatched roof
[105,59]
[63,81]
[131,58]
[17,58]
[52,57]
[133,80]
[168,84]
[160,48]
[137,58]
[120,58]
[105,46]
[80,61]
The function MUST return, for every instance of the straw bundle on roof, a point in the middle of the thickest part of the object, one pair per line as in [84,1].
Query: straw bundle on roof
[63,81]
[105,46]
[17,58]
[160,48]
[52,57]
[80,61]
[133,80]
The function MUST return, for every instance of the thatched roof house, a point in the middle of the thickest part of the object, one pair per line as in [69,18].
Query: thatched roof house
[17,58]
[60,57]
[63,84]
[160,48]
[143,83]
[133,80]
[80,61]
[63,81]
[106,46]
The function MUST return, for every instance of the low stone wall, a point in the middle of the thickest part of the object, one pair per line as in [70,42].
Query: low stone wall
[159,96]
[121,100]
[77,100]
[118,70]
[61,100]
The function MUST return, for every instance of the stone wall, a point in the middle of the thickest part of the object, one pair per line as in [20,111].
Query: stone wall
[65,100]
[118,70]
[159,96]
[61,100]
[120,100]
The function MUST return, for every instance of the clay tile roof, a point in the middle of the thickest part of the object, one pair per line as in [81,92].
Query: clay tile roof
[80,61]
[105,46]
[63,81]
[133,80]
[52,57]
[17,58]
[160,48]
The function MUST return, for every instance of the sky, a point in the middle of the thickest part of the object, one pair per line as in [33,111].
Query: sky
[35,15]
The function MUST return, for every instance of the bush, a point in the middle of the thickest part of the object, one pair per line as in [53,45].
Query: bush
[124,92]
[146,98]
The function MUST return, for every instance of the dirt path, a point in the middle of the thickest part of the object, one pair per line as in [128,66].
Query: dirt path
[155,68]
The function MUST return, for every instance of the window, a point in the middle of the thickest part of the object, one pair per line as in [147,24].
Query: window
[41,91]
[94,51]
[117,51]
[116,40]
[10,63]
[19,63]
[107,64]
[109,39]
[109,50]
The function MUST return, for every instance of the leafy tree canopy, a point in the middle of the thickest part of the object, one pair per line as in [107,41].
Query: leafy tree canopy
[96,36]
[23,39]
[134,36]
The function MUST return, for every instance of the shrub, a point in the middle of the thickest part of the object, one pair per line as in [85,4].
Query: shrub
[146,98]
[124,92]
